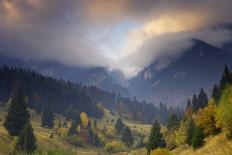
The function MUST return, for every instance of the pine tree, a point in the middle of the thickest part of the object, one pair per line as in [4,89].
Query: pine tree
[194,102]
[47,117]
[27,140]
[18,114]
[73,129]
[197,138]
[226,78]
[96,140]
[155,139]
[190,130]
[202,100]
[127,137]
[119,125]
[173,122]
[189,109]
[216,93]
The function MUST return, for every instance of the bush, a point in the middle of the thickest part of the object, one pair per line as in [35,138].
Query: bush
[62,132]
[161,151]
[76,141]
[115,147]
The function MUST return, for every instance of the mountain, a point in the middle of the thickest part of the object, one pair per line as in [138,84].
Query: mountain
[112,81]
[198,67]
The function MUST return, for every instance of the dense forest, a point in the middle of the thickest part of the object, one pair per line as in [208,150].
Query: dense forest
[63,95]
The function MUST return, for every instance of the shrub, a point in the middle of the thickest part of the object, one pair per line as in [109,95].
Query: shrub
[115,147]
[76,141]
[62,132]
[161,151]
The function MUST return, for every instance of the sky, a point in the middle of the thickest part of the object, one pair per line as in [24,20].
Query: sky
[117,34]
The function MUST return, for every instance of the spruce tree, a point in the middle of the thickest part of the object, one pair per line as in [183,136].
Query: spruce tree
[226,78]
[189,109]
[73,129]
[202,100]
[194,102]
[127,137]
[173,122]
[27,140]
[96,140]
[190,130]
[119,125]
[197,138]
[18,114]
[47,117]
[155,139]
[216,93]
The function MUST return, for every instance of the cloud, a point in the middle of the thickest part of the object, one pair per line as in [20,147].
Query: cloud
[94,33]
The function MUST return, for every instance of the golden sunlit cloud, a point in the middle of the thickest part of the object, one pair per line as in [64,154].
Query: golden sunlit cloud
[10,14]
[174,23]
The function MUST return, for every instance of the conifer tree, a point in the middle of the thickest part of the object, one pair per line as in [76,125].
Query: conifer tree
[190,130]
[119,125]
[96,140]
[127,137]
[73,129]
[226,78]
[27,140]
[47,117]
[202,100]
[216,93]
[197,137]
[155,139]
[18,114]
[173,122]
[194,102]
[189,109]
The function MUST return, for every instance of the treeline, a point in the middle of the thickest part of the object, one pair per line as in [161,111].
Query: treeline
[132,108]
[43,91]
[65,97]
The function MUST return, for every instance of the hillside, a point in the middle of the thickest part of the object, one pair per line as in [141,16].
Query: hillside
[216,145]
[59,145]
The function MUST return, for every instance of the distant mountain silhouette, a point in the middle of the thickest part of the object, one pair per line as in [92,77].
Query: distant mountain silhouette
[198,67]
[112,81]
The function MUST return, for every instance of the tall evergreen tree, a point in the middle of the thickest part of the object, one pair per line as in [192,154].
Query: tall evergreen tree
[190,130]
[155,139]
[194,102]
[119,125]
[73,129]
[197,137]
[27,140]
[216,93]
[18,114]
[173,122]
[127,137]
[202,100]
[189,109]
[47,117]
[226,78]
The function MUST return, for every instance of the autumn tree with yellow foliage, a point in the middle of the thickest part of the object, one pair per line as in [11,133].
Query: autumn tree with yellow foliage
[206,119]
[85,121]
